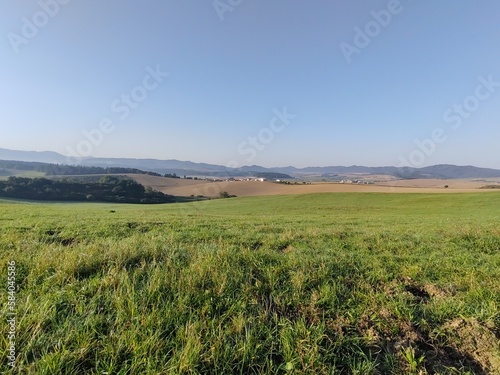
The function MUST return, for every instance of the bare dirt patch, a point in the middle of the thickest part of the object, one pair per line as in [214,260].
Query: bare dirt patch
[476,341]
[458,346]
[460,354]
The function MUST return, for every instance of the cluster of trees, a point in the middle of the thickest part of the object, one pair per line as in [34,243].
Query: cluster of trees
[293,183]
[171,175]
[225,194]
[65,170]
[108,189]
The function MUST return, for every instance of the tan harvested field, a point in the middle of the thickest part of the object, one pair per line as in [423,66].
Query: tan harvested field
[182,187]
[161,183]
[437,183]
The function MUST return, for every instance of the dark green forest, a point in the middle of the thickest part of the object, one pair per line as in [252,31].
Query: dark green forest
[108,189]
[65,170]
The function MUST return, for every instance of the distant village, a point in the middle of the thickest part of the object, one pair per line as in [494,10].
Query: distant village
[230,179]
[254,179]
[258,177]
[357,182]
[287,180]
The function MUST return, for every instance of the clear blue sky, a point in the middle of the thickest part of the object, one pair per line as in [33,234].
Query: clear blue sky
[230,70]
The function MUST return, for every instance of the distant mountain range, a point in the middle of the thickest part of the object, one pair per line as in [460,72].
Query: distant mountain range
[204,169]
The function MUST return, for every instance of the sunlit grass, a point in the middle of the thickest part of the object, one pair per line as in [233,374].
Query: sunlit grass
[314,284]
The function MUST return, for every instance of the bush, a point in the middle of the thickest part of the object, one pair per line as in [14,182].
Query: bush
[225,194]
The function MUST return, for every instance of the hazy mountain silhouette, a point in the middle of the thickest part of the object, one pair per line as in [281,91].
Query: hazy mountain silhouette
[191,168]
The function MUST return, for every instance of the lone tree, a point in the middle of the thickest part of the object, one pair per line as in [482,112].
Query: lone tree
[225,194]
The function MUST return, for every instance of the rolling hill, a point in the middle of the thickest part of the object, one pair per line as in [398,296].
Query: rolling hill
[442,171]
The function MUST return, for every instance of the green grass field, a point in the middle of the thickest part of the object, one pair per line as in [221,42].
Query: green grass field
[313,284]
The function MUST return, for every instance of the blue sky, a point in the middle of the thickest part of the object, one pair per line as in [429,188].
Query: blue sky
[413,92]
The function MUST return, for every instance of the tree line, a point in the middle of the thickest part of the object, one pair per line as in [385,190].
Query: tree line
[108,189]
[65,170]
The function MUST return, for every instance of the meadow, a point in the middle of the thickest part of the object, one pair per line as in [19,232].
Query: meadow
[335,283]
